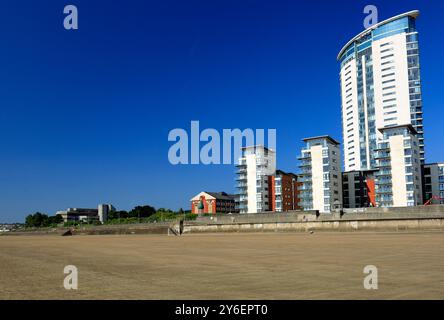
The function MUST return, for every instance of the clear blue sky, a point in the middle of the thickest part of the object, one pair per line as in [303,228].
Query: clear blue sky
[85,114]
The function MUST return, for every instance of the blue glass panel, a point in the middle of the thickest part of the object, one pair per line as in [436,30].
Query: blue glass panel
[365,45]
[402,23]
[388,34]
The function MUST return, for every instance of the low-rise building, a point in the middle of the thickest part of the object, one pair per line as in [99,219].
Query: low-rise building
[86,214]
[213,202]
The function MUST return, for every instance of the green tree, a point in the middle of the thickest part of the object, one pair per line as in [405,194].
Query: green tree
[142,212]
[122,214]
[36,220]
[40,220]
[54,220]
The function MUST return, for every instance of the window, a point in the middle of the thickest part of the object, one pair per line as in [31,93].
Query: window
[387,56]
[387,50]
[388,81]
[388,75]
[385,44]
[387,62]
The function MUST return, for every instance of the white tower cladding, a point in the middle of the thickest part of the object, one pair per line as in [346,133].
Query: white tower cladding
[398,180]
[255,165]
[380,87]
[320,174]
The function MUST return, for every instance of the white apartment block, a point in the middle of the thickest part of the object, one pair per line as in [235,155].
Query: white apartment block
[398,181]
[320,174]
[255,166]
[434,183]
[380,87]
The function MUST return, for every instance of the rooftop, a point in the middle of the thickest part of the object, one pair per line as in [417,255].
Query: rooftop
[259,146]
[414,14]
[408,126]
[221,195]
[321,137]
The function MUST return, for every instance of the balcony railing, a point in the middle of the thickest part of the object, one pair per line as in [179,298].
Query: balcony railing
[383,146]
[384,182]
[305,178]
[383,164]
[305,163]
[304,156]
[383,172]
[382,155]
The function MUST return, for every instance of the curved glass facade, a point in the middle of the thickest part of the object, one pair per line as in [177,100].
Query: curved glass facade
[380,87]
[402,25]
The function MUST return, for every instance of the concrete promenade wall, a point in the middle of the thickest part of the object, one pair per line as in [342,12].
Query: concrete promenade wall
[429,218]
[143,228]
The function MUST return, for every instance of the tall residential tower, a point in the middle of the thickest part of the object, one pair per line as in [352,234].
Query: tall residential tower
[380,87]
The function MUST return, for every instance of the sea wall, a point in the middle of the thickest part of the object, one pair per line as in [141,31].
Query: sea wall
[423,218]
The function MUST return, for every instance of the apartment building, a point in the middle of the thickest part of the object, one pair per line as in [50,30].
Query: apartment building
[320,174]
[86,214]
[380,87]
[285,194]
[254,168]
[398,159]
[433,183]
[358,189]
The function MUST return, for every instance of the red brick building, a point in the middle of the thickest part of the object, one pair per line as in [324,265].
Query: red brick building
[285,191]
[213,202]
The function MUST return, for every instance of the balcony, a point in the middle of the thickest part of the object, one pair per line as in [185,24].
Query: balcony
[384,182]
[383,172]
[384,191]
[240,164]
[306,204]
[306,187]
[305,173]
[382,155]
[383,164]
[304,156]
[382,146]
[241,170]
[304,178]
[305,163]
[305,198]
